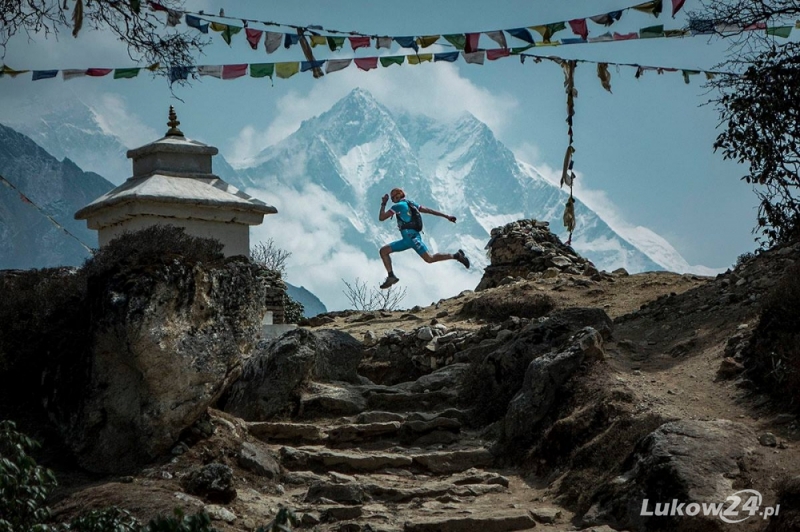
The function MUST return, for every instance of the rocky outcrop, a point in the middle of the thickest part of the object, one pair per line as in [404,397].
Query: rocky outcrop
[527,248]
[271,380]
[688,461]
[543,379]
[166,342]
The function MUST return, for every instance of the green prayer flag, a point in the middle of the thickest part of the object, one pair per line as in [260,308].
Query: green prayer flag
[261,70]
[126,73]
[334,43]
[520,49]
[651,32]
[392,60]
[780,31]
[458,40]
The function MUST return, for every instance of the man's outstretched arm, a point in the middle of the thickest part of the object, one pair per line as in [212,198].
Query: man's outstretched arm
[426,210]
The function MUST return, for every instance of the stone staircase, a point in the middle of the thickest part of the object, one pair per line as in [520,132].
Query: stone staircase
[402,460]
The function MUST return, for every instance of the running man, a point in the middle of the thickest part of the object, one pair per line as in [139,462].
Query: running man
[410,224]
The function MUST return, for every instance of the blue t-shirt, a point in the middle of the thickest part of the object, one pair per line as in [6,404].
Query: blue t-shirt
[401,211]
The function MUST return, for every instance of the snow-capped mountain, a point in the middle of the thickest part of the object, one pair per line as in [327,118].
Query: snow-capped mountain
[28,239]
[327,179]
[358,150]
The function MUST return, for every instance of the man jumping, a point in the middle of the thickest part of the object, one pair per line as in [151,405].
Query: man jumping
[410,224]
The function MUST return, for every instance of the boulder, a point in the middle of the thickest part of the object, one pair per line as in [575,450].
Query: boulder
[543,378]
[687,461]
[272,377]
[213,482]
[166,342]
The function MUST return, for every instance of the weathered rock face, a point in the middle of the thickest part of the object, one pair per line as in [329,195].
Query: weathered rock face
[167,342]
[688,461]
[543,378]
[527,247]
[270,382]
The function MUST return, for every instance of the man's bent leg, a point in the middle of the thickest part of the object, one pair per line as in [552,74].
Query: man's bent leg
[436,257]
[387,260]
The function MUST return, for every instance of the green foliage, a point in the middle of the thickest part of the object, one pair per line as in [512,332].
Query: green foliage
[199,522]
[284,520]
[155,245]
[772,356]
[292,310]
[110,519]
[42,312]
[744,258]
[24,485]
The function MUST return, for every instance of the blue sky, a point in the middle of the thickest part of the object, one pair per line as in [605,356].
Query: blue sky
[644,154]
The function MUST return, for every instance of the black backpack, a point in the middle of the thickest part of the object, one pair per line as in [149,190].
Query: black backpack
[414,223]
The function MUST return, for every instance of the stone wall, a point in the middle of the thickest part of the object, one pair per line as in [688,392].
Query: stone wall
[527,247]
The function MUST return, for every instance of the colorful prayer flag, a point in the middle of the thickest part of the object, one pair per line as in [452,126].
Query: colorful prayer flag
[72,74]
[625,36]
[392,60]
[676,6]
[359,42]
[126,73]
[475,58]
[383,42]
[472,42]
[318,40]
[8,71]
[253,37]
[651,32]
[497,53]
[654,7]
[44,74]
[419,58]
[499,37]
[367,63]
[427,40]
[178,73]
[579,27]
[548,30]
[407,42]
[234,71]
[335,65]
[449,57]
[458,40]
[261,70]
[197,23]
[98,72]
[215,71]
[290,39]
[287,70]
[335,43]
[305,66]
[608,19]
[521,33]
[272,41]
[780,31]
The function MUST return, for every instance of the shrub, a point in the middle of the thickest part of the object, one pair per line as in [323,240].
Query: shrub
[157,244]
[292,310]
[24,485]
[772,356]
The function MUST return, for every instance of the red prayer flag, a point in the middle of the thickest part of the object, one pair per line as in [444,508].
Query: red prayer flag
[676,6]
[579,27]
[359,42]
[472,42]
[155,6]
[253,37]
[234,71]
[625,36]
[491,55]
[98,72]
[367,63]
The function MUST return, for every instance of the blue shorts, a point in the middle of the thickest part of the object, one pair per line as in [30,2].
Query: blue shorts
[411,239]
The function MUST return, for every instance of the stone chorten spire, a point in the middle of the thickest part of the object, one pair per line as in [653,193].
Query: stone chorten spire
[173,183]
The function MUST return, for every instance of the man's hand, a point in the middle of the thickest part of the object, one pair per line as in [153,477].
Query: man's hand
[451,218]
[385,199]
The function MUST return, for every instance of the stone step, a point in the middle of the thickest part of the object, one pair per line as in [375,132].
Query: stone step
[518,520]
[442,462]
[409,402]
[360,492]
[420,431]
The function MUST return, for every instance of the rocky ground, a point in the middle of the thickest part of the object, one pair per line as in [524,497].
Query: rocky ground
[403,455]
